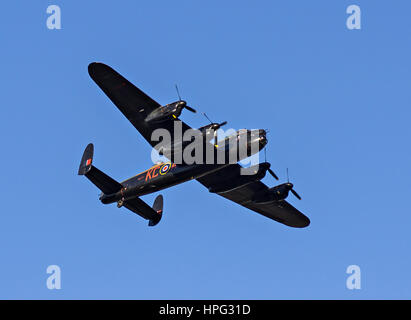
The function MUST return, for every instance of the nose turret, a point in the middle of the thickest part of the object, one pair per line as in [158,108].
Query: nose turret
[262,138]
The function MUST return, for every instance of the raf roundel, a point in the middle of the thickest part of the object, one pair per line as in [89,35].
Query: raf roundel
[165,168]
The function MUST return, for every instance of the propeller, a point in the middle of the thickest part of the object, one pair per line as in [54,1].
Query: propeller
[272,173]
[291,186]
[190,109]
[215,127]
[268,169]
[288,185]
[185,104]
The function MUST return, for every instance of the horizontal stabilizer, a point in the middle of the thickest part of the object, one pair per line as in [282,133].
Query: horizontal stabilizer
[110,186]
[153,214]
[102,181]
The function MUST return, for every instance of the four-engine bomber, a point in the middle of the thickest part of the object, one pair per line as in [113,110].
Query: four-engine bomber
[217,170]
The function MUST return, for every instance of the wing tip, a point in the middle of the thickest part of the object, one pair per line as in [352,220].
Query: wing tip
[304,222]
[95,68]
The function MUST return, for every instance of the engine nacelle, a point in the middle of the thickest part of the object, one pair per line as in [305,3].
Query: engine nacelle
[280,192]
[276,193]
[171,110]
[210,127]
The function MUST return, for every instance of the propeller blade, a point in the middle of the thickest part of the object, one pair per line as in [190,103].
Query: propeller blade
[178,93]
[272,173]
[185,105]
[296,194]
[222,124]
[190,109]
[215,138]
[204,114]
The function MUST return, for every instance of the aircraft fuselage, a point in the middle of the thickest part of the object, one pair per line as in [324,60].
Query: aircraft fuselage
[168,174]
[158,177]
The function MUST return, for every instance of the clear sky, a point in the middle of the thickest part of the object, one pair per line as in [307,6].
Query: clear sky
[336,102]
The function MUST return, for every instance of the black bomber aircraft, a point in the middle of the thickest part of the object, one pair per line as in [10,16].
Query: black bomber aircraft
[224,179]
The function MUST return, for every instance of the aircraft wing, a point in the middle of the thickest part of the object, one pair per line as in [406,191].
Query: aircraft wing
[131,101]
[280,211]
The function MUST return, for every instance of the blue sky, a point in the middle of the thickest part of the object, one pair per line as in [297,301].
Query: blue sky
[336,102]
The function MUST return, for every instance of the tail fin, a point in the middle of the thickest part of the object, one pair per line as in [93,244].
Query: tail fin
[86,160]
[158,208]
[105,183]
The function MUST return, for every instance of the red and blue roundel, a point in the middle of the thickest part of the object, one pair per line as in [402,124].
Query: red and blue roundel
[165,168]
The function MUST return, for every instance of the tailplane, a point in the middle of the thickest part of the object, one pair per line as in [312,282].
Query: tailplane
[102,181]
[110,186]
[152,214]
